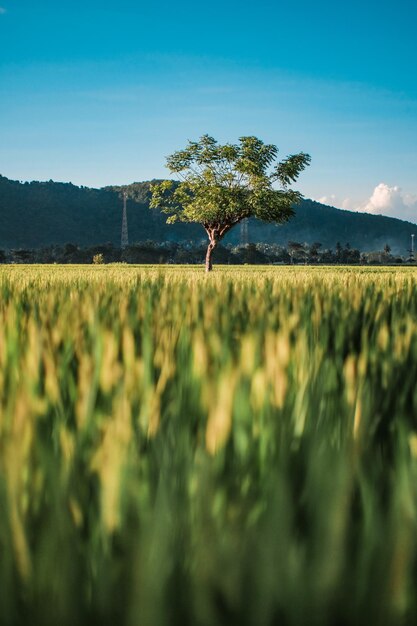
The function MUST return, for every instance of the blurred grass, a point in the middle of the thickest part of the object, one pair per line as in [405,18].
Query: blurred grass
[239,448]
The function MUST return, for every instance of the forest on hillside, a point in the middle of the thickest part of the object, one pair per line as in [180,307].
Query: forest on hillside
[38,214]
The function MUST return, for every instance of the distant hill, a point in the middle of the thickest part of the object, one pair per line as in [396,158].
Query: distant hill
[38,214]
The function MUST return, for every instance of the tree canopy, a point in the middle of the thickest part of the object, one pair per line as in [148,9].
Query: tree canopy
[220,185]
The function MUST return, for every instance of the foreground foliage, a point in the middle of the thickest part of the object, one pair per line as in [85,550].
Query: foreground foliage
[238,449]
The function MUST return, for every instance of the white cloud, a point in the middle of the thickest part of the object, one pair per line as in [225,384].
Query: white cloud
[2,10]
[348,204]
[391,201]
[329,200]
[334,200]
[384,200]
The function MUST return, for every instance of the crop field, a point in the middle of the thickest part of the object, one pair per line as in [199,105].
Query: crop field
[179,449]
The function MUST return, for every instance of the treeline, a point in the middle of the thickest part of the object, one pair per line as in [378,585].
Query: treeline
[40,214]
[190,253]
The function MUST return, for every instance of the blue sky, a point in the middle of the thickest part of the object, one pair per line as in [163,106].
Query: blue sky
[99,93]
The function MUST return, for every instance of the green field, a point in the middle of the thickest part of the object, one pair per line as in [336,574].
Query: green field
[179,449]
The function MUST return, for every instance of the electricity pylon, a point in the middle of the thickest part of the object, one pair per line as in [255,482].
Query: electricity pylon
[125,236]
[244,232]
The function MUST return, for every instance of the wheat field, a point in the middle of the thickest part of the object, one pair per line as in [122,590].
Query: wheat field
[231,449]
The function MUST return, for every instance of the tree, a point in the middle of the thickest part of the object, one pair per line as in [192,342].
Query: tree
[296,250]
[314,251]
[339,251]
[98,259]
[22,256]
[220,185]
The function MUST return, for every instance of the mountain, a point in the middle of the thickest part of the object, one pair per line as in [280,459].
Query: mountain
[38,214]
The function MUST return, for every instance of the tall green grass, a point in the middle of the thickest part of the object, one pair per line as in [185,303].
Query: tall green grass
[232,449]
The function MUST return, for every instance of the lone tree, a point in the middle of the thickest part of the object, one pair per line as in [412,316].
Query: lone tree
[220,185]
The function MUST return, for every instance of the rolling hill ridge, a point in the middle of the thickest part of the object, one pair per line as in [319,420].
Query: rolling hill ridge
[37,214]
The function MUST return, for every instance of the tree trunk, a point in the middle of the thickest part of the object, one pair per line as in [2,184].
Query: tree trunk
[211,246]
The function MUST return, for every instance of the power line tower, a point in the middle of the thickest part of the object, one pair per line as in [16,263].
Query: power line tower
[412,248]
[125,236]
[244,232]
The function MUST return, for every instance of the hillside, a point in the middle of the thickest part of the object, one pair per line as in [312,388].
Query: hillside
[39,214]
